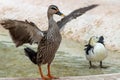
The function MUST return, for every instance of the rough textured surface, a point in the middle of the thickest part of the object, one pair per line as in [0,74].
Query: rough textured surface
[95,77]
[103,20]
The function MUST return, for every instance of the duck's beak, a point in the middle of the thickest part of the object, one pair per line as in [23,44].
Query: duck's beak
[60,14]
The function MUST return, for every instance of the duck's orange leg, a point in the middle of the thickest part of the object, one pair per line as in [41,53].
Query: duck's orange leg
[49,73]
[41,74]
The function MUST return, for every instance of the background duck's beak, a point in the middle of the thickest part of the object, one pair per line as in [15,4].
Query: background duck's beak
[60,14]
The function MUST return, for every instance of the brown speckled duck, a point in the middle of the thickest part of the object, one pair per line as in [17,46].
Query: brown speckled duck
[48,41]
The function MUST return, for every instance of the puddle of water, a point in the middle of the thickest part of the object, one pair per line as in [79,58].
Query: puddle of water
[69,61]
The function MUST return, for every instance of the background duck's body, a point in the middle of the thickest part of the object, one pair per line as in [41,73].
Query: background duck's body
[97,53]
[95,50]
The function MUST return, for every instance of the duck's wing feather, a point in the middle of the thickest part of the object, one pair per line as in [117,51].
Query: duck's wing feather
[22,31]
[88,47]
[73,15]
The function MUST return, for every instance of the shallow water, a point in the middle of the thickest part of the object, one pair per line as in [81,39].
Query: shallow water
[69,61]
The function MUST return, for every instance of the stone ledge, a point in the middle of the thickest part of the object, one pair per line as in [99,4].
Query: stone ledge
[115,76]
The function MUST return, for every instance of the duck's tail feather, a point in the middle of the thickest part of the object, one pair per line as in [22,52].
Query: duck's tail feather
[31,54]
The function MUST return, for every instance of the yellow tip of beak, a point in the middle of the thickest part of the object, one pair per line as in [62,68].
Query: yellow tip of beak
[63,15]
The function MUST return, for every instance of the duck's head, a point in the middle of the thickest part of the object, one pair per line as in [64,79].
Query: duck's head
[54,10]
[101,40]
[93,40]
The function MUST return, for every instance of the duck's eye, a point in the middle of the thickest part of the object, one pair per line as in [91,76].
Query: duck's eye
[53,8]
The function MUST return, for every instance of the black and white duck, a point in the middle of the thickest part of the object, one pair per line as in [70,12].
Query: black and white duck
[95,50]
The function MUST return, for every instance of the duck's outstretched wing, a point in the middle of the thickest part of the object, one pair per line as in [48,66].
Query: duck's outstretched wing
[22,31]
[74,14]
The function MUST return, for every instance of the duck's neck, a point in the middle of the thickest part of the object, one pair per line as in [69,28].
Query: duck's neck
[93,44]
[49,16]
[51,21]
[53,29]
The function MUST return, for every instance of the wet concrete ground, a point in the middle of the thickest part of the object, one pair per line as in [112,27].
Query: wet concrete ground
[69,61]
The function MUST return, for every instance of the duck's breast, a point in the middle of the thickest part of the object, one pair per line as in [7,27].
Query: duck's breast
[98,53]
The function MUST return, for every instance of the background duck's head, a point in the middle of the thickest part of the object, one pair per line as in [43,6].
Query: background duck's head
[54,10]
[93,40]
